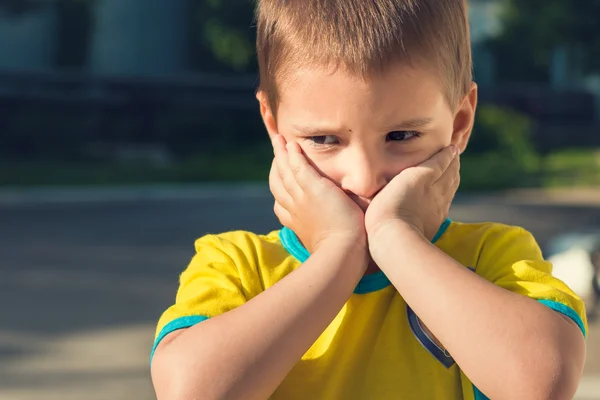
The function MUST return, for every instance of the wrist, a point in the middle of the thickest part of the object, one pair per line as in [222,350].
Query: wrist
[349,242]
[391,225]
[391,233]
[354,249]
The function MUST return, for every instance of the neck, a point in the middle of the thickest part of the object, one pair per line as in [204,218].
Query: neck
[372,268]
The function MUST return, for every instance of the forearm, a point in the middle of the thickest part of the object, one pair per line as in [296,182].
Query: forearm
[247,352]
[508,345]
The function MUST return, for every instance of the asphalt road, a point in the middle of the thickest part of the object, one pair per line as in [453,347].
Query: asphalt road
[82,284]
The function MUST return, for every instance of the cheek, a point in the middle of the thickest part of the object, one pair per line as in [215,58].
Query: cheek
[399,161]
[329,167]
[431,145]
[396,164]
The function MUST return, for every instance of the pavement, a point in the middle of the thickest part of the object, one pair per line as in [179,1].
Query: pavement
[86,273]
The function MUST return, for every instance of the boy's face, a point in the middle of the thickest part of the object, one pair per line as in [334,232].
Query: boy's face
[361,134]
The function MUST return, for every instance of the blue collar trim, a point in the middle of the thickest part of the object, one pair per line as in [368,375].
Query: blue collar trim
[368,283]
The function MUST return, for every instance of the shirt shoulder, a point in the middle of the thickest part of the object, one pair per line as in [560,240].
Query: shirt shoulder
[258,258]
[473,243]
[227,270]
[482,231]
[510,257]
[239,243]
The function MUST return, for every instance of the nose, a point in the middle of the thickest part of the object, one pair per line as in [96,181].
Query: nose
[364,176]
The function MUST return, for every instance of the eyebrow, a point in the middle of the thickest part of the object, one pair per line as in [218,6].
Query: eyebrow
[414,123]
[410,124]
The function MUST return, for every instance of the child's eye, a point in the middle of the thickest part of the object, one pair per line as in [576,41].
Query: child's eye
[323,140]
[402,135]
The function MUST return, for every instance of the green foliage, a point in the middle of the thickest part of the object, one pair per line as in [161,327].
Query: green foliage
[501,152]
[228,46]
[506,132]
[221,36]
[579,167]
[493,171]
[241,165]
[534,28]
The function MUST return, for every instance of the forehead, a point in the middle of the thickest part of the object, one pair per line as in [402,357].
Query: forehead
[322,93]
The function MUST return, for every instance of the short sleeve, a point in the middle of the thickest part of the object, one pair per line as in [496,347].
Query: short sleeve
[511,258]
[211,285]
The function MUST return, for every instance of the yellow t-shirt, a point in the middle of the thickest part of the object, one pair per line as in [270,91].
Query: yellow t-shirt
[376,347]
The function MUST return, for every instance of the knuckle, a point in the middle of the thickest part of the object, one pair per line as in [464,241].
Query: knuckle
[288,180]
[420,173]
[441,165]
[296,170]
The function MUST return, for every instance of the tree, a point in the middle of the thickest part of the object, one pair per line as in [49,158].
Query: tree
[221,35]
[533,29]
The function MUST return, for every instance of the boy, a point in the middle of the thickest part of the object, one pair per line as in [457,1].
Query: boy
[369,291]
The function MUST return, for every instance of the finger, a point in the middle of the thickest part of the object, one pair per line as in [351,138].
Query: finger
[440,162]
[280,153]
[277,189]
[283,166]
[456,183]
[283,215]
[304,174]
[452,188]
[450,174]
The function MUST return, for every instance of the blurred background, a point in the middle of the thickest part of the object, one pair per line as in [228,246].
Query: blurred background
[128,128]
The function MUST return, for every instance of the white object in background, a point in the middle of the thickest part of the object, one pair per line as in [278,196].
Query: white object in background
[574,267]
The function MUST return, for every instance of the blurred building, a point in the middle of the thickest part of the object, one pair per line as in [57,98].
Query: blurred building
[139,37]
[130,37]
[136,62]
[28,39]
[484,18]
[149,37]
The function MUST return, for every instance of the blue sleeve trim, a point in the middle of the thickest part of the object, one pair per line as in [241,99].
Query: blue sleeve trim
[176,324]
[443,228]
[478,395]
[292,244]
[427,342]
[566,310]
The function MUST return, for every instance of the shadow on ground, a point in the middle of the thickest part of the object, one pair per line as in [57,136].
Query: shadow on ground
[84,284]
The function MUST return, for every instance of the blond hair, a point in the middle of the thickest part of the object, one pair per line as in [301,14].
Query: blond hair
[364,37]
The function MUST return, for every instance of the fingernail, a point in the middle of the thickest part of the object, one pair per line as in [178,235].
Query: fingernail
[454,149]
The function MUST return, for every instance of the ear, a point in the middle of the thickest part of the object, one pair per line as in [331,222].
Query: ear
[267,114]
[464,119]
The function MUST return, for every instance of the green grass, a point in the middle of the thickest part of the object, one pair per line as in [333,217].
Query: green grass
[567,168]
[250,165]
[572,167]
